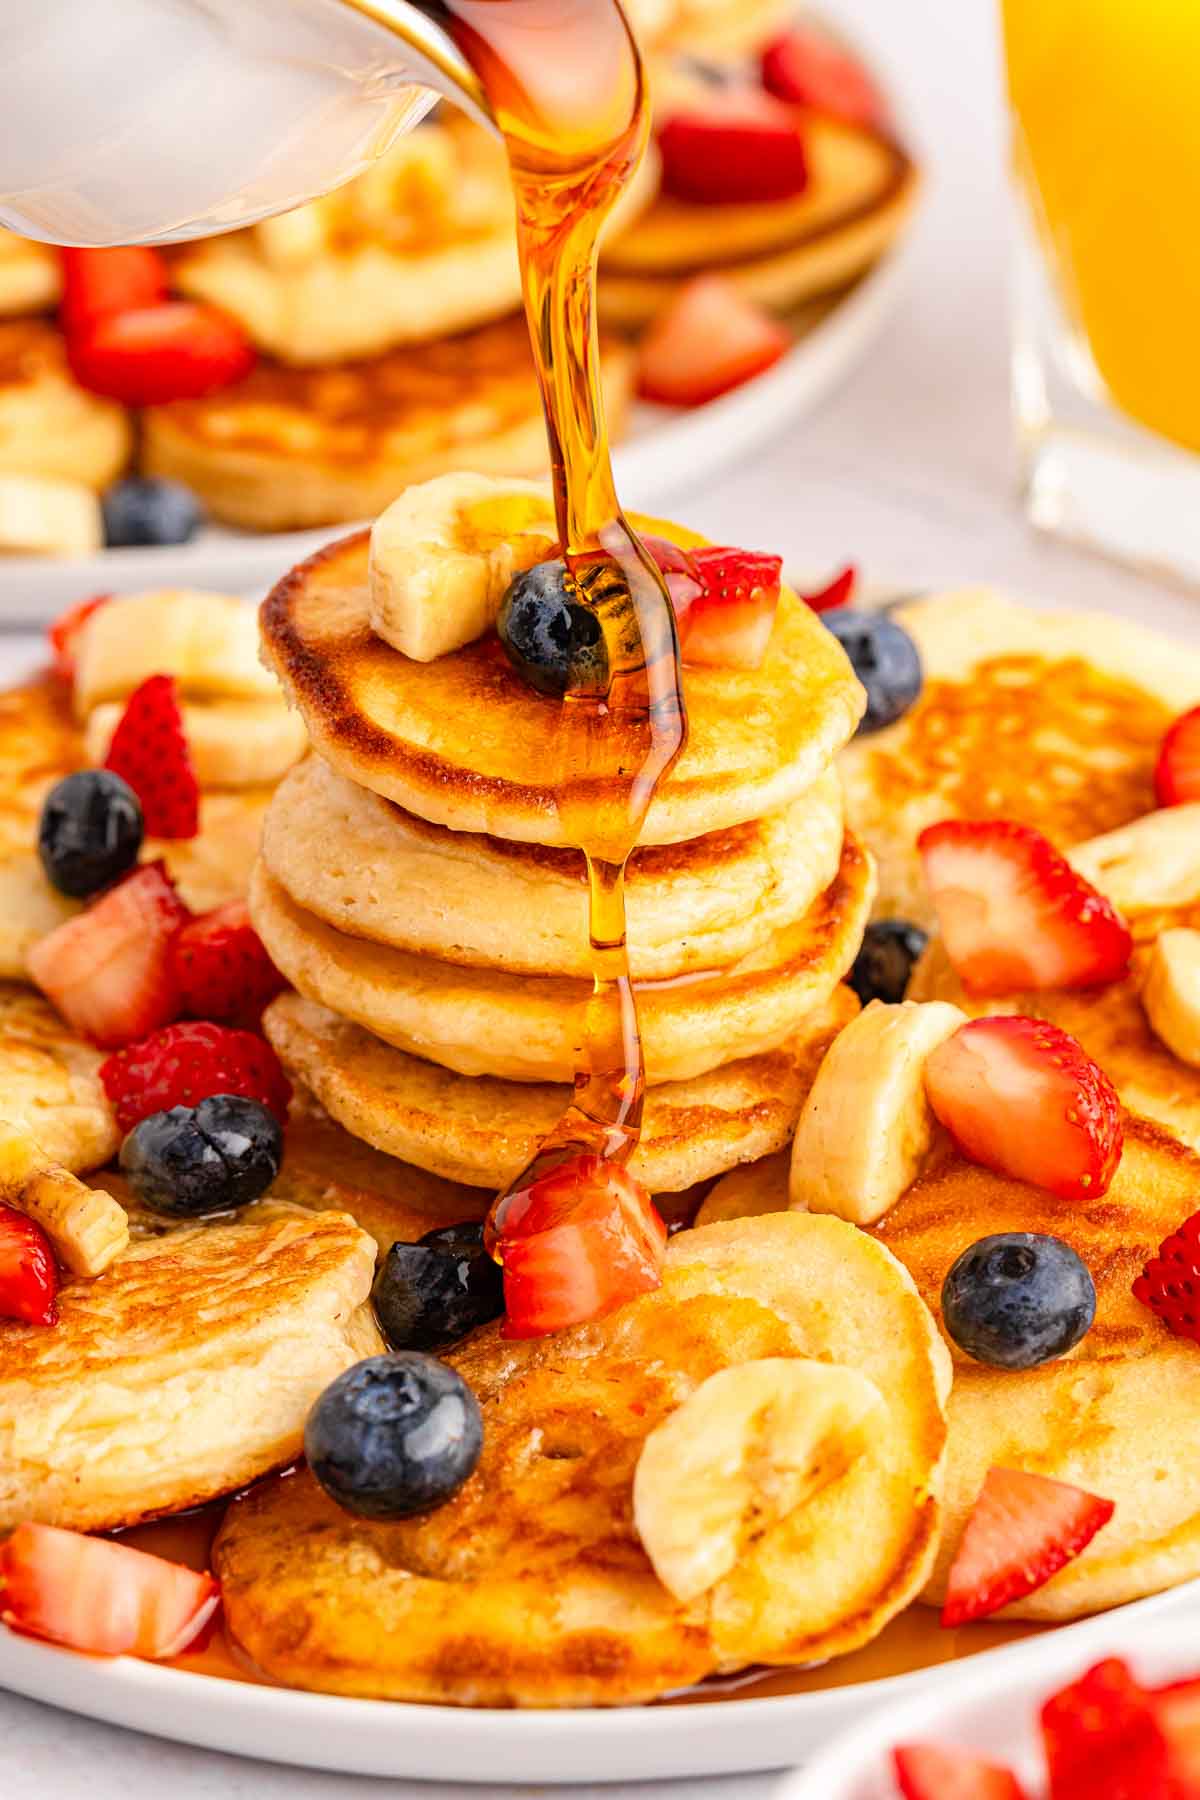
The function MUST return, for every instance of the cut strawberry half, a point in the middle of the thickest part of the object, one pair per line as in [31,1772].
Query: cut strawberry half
[1024,1529]
[729,623]
[94,1595]
[1014,914]
[188,1063]
[28,1271]
[579,1242]
[678,569]
[741,149]
[1170,1283]
[1177,1710]
[707,341]
[807,68]
[178,350]
[222,968]
[1022,1097]
[839,593]
[1177,772]
[1103,1740]
[149,750]
[109,971]
[64,633]
[98,283]
[931,1772]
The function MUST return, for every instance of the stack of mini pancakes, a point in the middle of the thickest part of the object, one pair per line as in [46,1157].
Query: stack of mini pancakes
[416,889]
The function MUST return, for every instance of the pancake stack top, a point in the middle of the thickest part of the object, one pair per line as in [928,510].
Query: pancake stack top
[415,888]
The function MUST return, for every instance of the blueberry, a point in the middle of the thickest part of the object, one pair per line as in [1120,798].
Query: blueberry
[91,832]
[143,509]
[211,1158]
[431,1294]
[1018,1300]
[883,967]
[885,659]
[551,637]
[393,1436]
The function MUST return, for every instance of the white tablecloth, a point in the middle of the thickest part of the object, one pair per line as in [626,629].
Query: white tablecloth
[908,470]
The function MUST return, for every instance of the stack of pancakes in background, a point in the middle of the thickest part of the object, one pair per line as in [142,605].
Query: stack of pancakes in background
[416,890]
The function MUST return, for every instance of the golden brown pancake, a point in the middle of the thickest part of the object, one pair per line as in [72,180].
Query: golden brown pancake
[465,742]
[484,1132]
[49,425]
[50,1083]
[530,1587]
[291,448]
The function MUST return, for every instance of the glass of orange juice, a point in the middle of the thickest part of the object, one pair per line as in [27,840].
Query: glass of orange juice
[1106,367]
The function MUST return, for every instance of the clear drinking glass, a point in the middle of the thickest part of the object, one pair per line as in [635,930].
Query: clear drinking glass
[1105,98]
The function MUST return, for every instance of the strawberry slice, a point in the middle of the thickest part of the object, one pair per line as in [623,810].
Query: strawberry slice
[707,341]
[109,971]
[1177,772]
[1014,914]
[807,68]
[729,623]
[577,1243]
[929,1772]
[98,283]
[1022,1097]
[839,593]
[222,968]
[99,1596]
[188,1063]
[178,350]
[149,750]
[1170,1283]
[1024,1529]
[742,148]
[678,569]
[1177,1710]
[28,1271]
[64,633]
[1103,1740]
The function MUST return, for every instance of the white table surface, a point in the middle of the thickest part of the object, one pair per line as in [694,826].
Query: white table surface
[909,471]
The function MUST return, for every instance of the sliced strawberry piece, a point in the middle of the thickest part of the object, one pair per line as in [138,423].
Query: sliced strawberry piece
[678,569]
[579,1242]
[188,1063]
[839,593]
[807,68]
[179,350]
[1177,1710]
[1103,1741]
[1170,1283]
[729,623]
[708,340]
[64,633]
[742,148]
[149,750]
[1014,914]
[1177,772]
[223,969]
[99,1596]
[109,970]
[1024,1529]
[98,283]
[928,1772]
[28,1271]
[1022,1097]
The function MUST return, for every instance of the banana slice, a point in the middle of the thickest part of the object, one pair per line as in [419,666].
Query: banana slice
[42,515]
[443,554]
[86,1226]
[1153,862]
[867,1125]
[234,743]
[751,1445]
[1171,993]
[208,642]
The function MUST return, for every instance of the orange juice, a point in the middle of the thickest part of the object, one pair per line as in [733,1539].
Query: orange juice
[1106,95]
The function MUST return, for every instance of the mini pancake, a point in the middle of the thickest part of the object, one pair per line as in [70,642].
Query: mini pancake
[484,1132]
[50,1083]
[530,1587]
[479,1021]
[30,275]
[1054,719]
[372,871]
[465,742]
[780,254]
[49,425]
[183,1372]
[292,448]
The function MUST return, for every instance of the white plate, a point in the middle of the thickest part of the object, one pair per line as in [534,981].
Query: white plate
[668,453]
